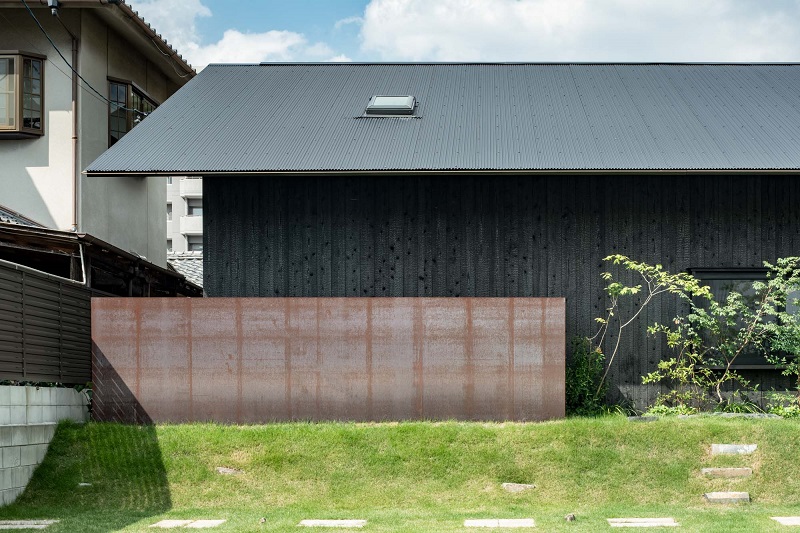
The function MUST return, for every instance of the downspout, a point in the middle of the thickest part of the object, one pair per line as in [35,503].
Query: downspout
[76,170]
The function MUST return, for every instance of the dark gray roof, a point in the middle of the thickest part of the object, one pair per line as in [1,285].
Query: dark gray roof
[190,264]
[305,117]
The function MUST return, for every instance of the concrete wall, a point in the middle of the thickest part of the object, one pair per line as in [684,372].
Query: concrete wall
[28,419]
[37,176]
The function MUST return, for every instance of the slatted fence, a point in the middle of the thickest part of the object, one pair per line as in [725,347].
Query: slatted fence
[45,327]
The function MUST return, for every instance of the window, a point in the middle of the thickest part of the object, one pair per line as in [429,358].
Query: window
[391,105]
[21,95]
[194,207]
[724,281]
[169,212]
[169,180]
[127,107]
[169,245]
[194,243]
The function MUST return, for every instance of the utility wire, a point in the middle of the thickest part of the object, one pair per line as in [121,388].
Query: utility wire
[89,85]
[34,46]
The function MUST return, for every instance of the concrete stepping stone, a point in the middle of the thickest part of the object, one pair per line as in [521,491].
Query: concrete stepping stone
[733,449]
[642,522]
[228,471]
[500,522]
[517,487]
[169,524]
[727,472]
[26,524]
[787,520]
[333,523]
[202,524]
[727,497]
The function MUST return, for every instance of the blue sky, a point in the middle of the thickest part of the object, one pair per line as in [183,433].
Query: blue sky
[230,31]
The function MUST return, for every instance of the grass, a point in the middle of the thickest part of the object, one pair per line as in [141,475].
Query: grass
[412,476]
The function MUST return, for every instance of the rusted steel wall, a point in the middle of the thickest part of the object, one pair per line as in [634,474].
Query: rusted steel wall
[253,360]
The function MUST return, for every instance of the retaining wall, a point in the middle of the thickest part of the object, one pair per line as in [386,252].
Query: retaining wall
[28,419]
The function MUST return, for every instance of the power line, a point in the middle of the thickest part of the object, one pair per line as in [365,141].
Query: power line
[89,85]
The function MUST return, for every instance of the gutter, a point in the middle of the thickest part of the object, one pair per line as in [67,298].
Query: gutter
[444,172]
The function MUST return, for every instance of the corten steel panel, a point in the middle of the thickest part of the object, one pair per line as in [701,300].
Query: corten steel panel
[253,360]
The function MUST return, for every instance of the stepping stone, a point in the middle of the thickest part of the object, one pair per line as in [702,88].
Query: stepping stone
[642,522]
[727,472]
[727,497]
[517,487]
[201,524]
[642,418]
[26,524]
[500,522]
[733,449]
[228,471]
[333,523]
[787,520]
[169,524]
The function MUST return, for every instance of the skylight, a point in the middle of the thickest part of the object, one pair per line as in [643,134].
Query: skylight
[391,105]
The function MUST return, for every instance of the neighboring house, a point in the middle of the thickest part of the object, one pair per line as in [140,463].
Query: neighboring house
[483,180]
[54,121]
[184,214]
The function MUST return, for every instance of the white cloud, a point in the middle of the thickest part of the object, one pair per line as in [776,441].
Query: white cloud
[581,30]
[176,21]
[348,20]
[237,47]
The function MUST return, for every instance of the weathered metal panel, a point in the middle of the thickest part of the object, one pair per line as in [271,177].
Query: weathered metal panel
[252,360]
[44,328]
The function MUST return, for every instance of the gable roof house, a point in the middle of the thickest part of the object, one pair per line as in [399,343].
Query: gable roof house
[371,180]
[74,79]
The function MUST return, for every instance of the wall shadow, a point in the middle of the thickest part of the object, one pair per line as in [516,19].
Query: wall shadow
[99,476]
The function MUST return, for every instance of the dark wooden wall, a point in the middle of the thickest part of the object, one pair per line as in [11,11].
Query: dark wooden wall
[493,236]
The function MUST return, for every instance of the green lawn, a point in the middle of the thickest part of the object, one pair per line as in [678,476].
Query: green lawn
[412,476]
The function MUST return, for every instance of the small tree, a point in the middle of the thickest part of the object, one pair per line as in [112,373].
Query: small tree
[710,338]
[654,281]
[783,333]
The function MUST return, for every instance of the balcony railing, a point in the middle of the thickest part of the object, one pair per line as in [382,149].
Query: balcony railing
[192,187]
[192,225]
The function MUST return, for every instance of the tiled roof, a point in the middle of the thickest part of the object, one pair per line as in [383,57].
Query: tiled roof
[190,264]
[12,217]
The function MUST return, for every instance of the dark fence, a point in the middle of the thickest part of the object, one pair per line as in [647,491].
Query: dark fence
[263,359]
[45,328]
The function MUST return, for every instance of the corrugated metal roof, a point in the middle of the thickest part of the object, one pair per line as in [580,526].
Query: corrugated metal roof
[308,117]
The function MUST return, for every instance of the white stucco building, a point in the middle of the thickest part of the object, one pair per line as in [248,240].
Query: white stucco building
[184,214]
[53,122]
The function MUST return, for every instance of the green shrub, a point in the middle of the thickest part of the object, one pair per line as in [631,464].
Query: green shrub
[585,392]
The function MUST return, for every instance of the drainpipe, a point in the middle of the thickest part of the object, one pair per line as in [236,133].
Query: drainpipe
[54,7]
[76,179]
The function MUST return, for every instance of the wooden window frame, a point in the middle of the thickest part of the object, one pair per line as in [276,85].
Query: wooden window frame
[19,130]
[131,89]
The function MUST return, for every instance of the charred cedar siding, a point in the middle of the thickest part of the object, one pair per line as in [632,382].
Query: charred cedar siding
[494,236]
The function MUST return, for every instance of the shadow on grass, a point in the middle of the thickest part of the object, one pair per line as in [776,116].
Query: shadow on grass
[98,476]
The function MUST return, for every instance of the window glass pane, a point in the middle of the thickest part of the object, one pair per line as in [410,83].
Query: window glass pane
[7,100]
[194,243]
[31,98]
[195,207]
